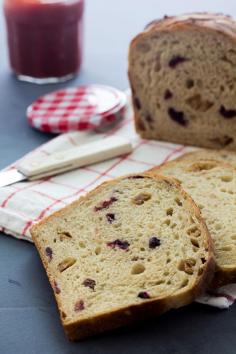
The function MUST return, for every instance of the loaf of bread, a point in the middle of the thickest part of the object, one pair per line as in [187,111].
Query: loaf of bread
[219,155]
[132,248]
[212,185]
[182,74]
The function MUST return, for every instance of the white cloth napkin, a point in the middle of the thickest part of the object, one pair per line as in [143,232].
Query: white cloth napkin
[25,203]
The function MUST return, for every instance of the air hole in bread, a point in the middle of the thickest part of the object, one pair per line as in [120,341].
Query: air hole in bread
[222,88]
[97,250]
[66,263]
[233,237]
[197,103]
[138,268]
[226,178]
[82,244]
[168,260]
[194,242]
[159,282]
[167,222]
[194,231]
[169,211]
[173,225]
[202,166]
[184,283]
[141,198]
[218,227]
[166,274]
[64,235]
[142,249]
[189,83]
[176,237]
[117,225]
[187,265]
[178,202]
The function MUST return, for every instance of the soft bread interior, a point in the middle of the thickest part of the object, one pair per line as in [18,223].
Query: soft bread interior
[132,240]
[184,85]
[212,185]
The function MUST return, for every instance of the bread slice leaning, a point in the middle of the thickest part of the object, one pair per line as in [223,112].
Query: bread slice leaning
[182,76]
[203,154]
[132,248]
[212,185]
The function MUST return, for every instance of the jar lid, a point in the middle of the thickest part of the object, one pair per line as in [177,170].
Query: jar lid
[77,108]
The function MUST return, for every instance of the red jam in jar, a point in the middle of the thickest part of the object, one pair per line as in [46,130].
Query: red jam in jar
[44,38]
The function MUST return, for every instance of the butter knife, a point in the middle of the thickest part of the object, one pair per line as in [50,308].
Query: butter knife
[70,159]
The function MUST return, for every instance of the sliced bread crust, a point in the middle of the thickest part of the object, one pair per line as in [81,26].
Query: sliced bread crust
[136,289]
[212,185]
[207,154]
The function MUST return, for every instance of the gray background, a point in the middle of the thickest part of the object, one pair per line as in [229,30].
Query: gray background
[29,322]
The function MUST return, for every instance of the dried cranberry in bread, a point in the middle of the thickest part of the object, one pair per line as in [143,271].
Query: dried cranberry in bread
[182,73]
[124,252]
[212,185]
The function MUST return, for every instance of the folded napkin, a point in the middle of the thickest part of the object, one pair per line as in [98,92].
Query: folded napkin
[25,203]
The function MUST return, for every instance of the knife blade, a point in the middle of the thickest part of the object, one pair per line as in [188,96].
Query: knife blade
[10,177]
[70,159]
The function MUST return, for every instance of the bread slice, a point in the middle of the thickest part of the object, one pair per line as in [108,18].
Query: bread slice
[182,73]
[132,248]
[212,185]
[219,155]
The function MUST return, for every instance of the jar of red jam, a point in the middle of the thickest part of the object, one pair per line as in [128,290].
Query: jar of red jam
[44,38]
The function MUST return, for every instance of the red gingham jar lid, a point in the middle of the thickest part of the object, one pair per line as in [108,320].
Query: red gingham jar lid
[77,108]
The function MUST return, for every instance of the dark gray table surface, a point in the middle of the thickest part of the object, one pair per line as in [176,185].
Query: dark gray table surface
[29,322]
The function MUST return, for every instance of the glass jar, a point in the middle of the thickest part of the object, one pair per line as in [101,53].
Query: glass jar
[44,38]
